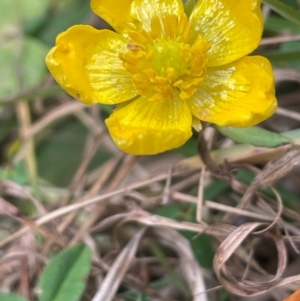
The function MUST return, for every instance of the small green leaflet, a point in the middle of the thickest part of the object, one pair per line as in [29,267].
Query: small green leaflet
[63,278]
[255,136]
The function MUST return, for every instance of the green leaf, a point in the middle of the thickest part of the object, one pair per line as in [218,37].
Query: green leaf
[201,246]
[278,24]
[188,149]
[292,3]
[134,295]
[16,173]
[63,15]
[61,153]
[254,135]
[216,188]
[15,12]
[21,69]
[6,128]
[293,135]
[284,10]
[171,211]
[292,46]
[283,57]
[63,278]
[11,297]
[223,294]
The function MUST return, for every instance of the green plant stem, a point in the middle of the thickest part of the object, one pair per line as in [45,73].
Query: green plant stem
[23,113]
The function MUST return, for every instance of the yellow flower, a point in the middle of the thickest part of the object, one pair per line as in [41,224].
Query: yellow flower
[166,72]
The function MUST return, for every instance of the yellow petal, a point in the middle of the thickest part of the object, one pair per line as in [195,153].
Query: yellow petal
[239,94]
[128,15]
[85,62]
[145,127]
[196,123]
[232,27]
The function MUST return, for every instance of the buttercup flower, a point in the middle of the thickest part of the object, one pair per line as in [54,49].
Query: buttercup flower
[166,72]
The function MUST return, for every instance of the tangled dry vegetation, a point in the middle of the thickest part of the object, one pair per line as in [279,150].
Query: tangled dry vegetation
[123,211]
[167,228]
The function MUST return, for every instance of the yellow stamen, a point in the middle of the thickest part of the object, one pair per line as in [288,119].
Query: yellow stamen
[166,59]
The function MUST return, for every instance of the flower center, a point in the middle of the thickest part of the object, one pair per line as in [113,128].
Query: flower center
[166,59]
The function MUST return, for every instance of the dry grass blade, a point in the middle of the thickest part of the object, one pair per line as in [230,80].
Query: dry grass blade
[276,215]
[16,190]
[189,264]
[58,112]
[108,222]
[10,210]
[106,172]
[288,113]
[227,249]
[127,164]
[287,75]
[273,171]
[175,226]
[152,220]
[289,280]
[13,189]
[145,218]
[220,207]
[82,169]
[101,198]
[117,271]
[28,145]
[280,39]
[277,168]
[200,195]
[240,212]
[240,153]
